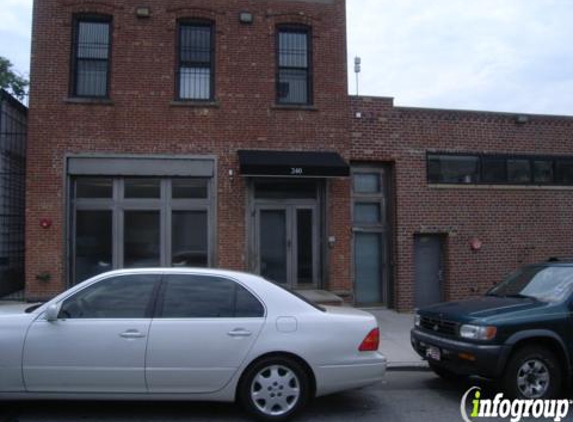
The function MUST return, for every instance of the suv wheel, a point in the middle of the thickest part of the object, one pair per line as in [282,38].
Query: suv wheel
[274,389]
[533,373]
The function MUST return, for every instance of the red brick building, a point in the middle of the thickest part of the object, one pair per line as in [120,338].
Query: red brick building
[200,133]
[474,194]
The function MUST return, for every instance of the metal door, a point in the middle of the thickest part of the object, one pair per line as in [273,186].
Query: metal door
[428,269]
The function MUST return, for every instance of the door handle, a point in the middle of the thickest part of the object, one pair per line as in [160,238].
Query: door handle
[239,332]
[132,334]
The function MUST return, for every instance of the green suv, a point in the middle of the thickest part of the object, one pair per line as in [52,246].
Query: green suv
[520,332]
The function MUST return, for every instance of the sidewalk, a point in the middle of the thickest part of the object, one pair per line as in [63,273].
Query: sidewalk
[395,339]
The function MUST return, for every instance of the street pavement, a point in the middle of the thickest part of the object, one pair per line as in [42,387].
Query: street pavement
[405,396]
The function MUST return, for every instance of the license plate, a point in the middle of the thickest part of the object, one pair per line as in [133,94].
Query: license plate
[433,353]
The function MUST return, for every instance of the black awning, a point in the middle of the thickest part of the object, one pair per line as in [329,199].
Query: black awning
[292,163]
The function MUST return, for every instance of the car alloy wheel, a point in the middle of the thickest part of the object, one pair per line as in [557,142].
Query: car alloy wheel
[275,390]
[533,379]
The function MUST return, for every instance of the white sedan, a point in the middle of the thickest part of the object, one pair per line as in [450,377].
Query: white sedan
[187,334]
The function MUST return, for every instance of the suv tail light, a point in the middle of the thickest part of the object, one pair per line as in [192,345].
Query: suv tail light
[371,341]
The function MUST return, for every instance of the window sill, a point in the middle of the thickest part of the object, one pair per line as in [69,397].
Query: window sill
[496,187]
[89,101]
[197,104]
[295,107]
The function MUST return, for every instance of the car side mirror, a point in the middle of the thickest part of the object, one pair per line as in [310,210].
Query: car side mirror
[52,312]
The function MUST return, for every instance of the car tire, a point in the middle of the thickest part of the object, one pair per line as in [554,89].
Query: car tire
[446,374]
[533,373]
[274,389]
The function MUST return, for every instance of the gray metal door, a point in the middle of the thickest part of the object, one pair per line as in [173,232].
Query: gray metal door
[428,265]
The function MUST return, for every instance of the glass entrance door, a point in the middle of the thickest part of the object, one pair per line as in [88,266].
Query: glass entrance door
[287,238]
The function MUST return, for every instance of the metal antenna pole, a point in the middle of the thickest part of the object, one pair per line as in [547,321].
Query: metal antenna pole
[357,69]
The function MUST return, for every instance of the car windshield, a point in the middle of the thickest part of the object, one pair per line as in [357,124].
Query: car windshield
[546,284]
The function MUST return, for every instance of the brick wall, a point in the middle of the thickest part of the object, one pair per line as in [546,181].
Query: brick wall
[141,119]
[517,225]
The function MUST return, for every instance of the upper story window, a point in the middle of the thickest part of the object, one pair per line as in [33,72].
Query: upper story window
[91,56]
[453,169]
[499,169]
[294,84]
[195,68]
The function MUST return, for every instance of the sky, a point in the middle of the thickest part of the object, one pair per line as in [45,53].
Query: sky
[499,55]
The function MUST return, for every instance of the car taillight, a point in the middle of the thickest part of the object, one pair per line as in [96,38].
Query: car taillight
[371,341]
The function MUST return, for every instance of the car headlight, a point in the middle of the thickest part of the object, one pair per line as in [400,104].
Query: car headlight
[417,319]
[477,332]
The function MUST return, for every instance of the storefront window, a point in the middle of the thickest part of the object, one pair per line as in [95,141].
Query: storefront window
[93,243]
[156,222]
[189,239]
[142,188]
[94,188]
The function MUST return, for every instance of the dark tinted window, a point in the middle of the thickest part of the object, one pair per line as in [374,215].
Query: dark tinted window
[494,170]
[196,296]
[286,190]
[119,297]
[498,168]
[518,171]
[247,305]
[142,188]
[190,188]
[92,43]
[543,171]
[453,169]
[564,172]
[189,239]
[94,188]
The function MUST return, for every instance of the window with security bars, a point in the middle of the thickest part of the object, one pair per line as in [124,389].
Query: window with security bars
[195,79]
[92,45]
[294,66]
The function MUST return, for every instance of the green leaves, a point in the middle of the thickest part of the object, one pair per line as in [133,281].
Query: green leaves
[12,81]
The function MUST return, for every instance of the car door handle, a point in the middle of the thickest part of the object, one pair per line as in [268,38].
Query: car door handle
[132,334]
[239,332]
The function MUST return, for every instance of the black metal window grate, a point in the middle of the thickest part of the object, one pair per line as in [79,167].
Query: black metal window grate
[491,169]
[196,51]
[92,42]
[294,65]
